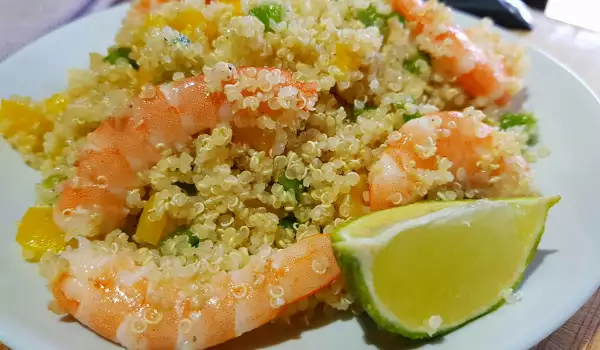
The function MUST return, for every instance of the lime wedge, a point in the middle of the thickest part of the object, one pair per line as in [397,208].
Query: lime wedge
[425,269]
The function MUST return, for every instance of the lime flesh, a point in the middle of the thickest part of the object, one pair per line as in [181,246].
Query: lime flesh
[425,269]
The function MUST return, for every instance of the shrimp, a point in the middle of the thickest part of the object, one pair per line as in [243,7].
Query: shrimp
[141,308]
[168,116]
[452,149]
[456,56]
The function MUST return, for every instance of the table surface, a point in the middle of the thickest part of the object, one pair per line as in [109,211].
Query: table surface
[579,50]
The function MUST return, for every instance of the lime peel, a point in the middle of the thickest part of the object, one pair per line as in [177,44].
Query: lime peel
[356,252]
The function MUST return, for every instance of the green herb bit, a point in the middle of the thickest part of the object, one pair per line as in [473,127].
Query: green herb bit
[525,120]
[357,111]
[51,181]
[510,120]
[412,64]
[193,240]
[369,17]
[292,185]
[120,52]
[288,222]
[267,12]
[398,16]
[406,116]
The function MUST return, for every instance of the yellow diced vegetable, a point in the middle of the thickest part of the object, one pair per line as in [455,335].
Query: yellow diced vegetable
[17,117]
[38,233]
[56,104]
[144,76]
[150,229]
[155,21]
[187,18]
[345,58]
[237,7]
[358,206]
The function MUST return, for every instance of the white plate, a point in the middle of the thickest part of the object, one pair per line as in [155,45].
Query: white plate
[566,267]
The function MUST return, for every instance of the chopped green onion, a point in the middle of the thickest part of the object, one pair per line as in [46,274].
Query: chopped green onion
[510,120]
[402,106]
[412,64]
[356,111]
[533,139]
[193,240]
[288,221]
[525,120]
[189,189]
[51,181]
[120,52]
[267,12]
[369,17]
[293,185]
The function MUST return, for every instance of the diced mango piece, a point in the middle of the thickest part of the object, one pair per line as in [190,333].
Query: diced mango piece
[56,104]
[38,233]
[345,58]
[150,230]
[16,116]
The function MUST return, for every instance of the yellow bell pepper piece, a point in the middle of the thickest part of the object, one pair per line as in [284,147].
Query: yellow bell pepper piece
[17,117]
[150,230]
[56,104]
[38,233]
[187,20]
[345,58]
[155,21]
[358,206]
[237,6]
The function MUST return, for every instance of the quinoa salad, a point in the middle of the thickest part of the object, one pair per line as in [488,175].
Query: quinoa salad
[215,136]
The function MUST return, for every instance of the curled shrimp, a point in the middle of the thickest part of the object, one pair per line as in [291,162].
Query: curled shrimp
[448,149]
[455,55]
[167,116]
[141,308]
